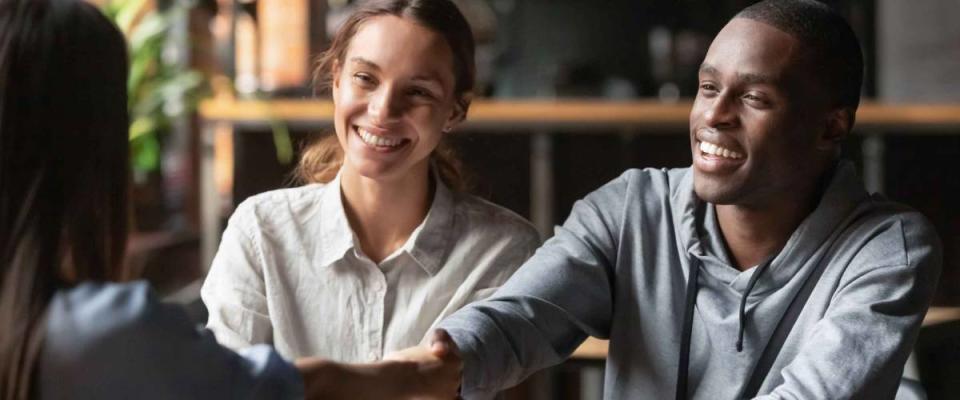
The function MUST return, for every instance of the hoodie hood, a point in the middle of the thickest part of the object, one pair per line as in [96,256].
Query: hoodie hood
[699,231]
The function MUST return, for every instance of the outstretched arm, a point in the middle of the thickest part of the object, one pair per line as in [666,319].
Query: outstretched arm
[561,295]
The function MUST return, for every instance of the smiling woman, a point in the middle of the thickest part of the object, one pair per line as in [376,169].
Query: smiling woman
[381,243]
[452,40]
[394,100]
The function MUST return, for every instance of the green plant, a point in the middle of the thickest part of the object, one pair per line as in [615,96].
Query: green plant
[160,88]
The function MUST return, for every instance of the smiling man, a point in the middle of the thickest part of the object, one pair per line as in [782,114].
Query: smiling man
[764,270]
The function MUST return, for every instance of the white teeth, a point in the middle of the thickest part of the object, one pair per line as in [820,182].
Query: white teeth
[713,149]
[378,141]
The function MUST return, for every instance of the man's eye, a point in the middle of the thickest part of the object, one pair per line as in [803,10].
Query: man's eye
[755,100]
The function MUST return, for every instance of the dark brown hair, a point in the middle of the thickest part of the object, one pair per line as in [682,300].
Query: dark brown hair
[322,159]
[63,166]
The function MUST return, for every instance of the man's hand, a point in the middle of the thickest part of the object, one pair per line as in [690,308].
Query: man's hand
[439,367]
[421,373]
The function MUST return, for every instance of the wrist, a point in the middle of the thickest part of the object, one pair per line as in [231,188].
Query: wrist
[322,378]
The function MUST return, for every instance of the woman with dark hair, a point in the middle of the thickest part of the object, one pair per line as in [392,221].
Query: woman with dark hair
[382,242]
[70,327]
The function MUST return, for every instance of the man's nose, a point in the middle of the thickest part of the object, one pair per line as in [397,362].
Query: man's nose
[721,112]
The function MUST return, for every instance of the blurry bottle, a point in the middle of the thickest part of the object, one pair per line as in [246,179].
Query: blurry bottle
[291,33]
[246,49]
[662,63]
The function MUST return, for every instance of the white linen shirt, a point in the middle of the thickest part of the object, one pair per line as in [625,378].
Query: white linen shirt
[290,272]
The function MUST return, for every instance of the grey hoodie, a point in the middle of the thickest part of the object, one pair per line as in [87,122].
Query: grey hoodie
[618,268]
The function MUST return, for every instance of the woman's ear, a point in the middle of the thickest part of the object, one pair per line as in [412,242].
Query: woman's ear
[459,113]
[335,80]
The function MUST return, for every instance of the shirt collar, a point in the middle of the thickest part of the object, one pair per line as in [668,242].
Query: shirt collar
[336,237]
[427,245]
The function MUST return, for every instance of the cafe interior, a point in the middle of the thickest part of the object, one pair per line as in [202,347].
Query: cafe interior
[569,94]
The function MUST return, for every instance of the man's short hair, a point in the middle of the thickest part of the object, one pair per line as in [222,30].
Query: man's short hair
[832,47]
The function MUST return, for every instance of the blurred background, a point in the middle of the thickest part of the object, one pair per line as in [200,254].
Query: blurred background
[571,93]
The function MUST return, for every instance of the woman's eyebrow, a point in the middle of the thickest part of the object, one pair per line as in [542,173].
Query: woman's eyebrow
[364,62]
[427,79]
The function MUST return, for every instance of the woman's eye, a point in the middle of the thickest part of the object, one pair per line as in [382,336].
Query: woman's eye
[418,92]
[363,79]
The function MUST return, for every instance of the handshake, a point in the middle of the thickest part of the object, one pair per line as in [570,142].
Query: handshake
[420,372]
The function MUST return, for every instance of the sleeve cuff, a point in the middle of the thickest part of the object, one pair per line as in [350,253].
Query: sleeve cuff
[275,376]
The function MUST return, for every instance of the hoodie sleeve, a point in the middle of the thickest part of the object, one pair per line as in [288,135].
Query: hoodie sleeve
[555,300]
[858,350]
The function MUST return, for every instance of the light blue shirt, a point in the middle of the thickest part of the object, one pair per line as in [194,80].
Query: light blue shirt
[118,341]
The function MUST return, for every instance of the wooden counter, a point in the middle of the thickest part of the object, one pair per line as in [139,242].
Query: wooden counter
[643,115]
[596,349]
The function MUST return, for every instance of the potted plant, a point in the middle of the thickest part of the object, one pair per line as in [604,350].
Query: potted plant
[163,91]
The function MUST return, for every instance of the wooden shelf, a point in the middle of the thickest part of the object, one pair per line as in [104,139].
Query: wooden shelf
[939,315]
[224,116]
[578,114]
[592,349]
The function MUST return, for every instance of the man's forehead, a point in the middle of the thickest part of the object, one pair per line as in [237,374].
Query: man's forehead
[752,49]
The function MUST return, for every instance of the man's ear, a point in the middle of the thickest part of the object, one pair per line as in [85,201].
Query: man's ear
[839,122]
[459,112]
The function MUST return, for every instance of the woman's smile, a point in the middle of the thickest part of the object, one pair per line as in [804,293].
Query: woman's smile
[380,142]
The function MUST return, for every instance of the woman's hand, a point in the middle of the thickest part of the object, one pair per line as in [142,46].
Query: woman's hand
[439,367]
[419,372]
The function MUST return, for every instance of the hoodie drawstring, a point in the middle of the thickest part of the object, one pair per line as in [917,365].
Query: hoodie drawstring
[682,367]
[743,300]
[691,300]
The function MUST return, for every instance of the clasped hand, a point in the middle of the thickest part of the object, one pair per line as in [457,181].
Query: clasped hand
[420,373]
[438,368]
